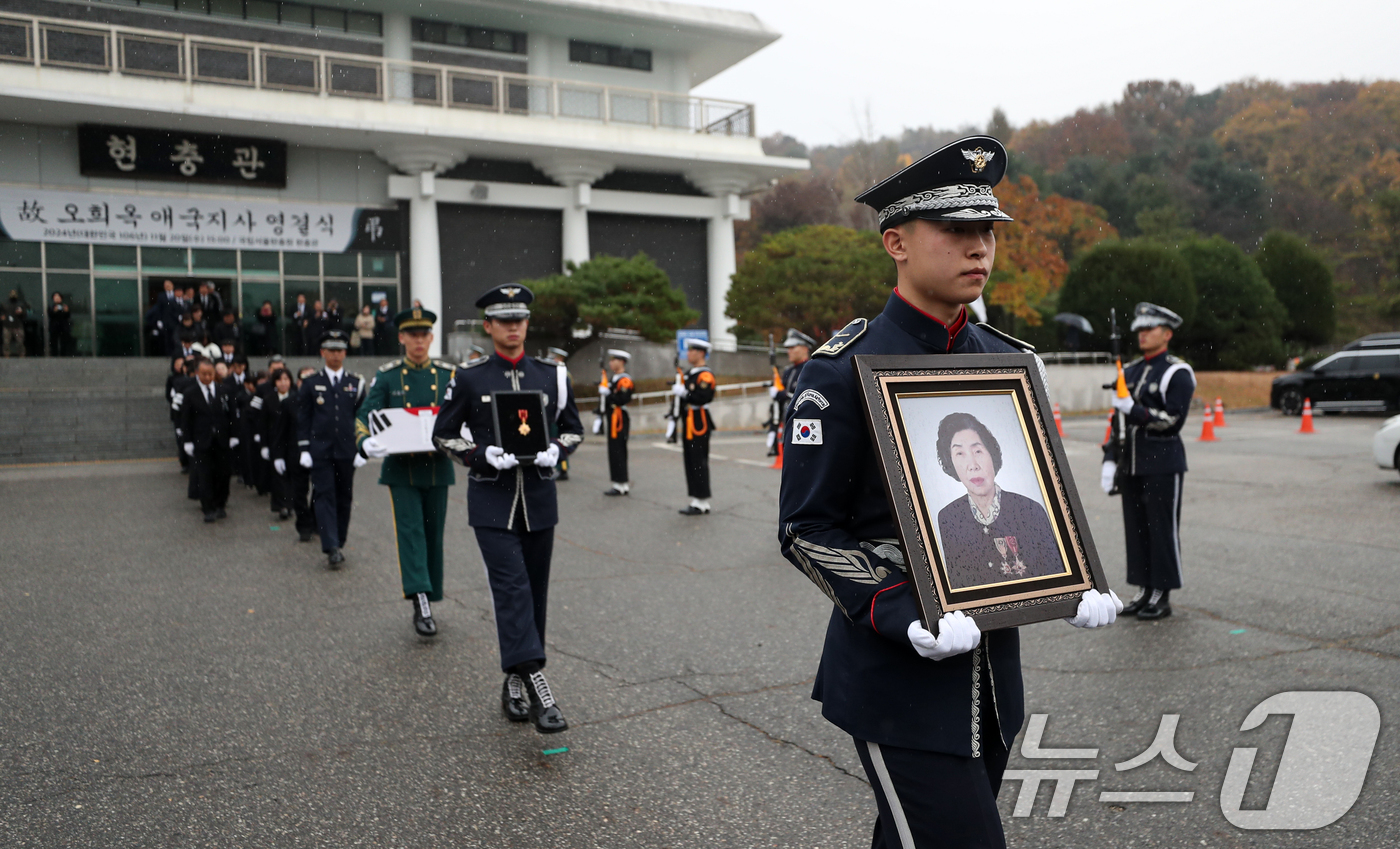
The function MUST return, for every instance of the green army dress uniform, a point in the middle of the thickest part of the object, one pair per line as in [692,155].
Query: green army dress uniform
[417,483]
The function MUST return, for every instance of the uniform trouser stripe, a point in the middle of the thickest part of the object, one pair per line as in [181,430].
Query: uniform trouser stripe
[901,823]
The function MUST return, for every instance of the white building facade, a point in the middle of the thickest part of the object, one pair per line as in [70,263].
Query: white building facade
[364,152]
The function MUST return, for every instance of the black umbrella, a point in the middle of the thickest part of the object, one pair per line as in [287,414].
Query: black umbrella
[1078,322]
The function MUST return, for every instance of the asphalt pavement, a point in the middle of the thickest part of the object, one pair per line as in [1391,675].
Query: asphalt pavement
[168,683]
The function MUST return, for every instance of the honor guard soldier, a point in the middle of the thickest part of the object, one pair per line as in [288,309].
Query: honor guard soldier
[328,400]
[932,710]
[617,424]
[799,348]
[1151,465]
[417,482]
[511,501]
[207,424]
[559,357]
[695,391]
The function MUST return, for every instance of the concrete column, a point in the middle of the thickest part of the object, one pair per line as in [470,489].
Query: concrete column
[398,44]
[724,187]
[578,173]
[425,254]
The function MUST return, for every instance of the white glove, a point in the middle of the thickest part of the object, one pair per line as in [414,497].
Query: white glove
[374,448]
[189,448]
[233,442]
[280,465]
[670,428]
[1096,609]
[1123,405]
[360,460]
[773,392]
[548,458]
[957,634]
[266,454]
[603,391]
[257,437]
[497,457]
[678,390]
[597,425]
[305,459]
[1110,469]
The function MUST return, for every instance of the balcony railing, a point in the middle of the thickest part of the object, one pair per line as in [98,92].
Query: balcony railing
[125,51]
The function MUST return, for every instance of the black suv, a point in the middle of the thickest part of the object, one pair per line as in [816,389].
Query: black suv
[1362,377]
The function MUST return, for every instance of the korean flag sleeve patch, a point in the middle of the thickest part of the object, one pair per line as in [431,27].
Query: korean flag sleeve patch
[806,431]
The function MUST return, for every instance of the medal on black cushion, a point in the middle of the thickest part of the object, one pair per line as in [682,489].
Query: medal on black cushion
[524,428]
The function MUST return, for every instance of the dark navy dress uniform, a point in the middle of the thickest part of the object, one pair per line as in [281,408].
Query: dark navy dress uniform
[1152,465]
[513,511]
[326,429]
[617,424]
[933,736]
[696,426]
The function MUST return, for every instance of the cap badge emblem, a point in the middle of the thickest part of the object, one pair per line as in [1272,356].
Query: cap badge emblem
[510,291]
[979,158]
[417,313]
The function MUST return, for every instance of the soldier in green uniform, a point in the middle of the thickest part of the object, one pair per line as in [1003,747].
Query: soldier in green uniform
[417,482]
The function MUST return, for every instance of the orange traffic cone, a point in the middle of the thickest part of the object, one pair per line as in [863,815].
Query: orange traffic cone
[1208,426]
[1219,413]
[1059,427]
[1307,426]
[778,461]
[1108,431]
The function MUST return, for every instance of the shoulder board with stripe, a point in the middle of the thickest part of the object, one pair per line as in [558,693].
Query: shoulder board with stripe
[444,364]
[390,366]
[480,361]
[1008,338]
[843,338]
[544,360]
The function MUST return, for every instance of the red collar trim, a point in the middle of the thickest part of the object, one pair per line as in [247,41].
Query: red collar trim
[953,329]
[514,362]
[1155,356]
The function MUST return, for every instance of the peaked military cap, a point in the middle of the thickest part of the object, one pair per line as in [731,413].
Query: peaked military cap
[557,352]
[796,337]
[335,340]
[415,318]
[619,354]
[954,183]
[510,302]
[1147,315]
[696,342]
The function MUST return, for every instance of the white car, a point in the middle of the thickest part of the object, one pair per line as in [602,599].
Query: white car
[1385,443]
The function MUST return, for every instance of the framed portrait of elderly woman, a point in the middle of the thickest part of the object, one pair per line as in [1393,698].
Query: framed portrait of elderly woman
[988,514]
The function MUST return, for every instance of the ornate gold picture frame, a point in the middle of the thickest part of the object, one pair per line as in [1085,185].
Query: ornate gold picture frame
[988,514]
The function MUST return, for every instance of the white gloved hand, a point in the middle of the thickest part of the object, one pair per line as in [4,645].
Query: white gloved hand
[280,465]
[374,448]
[957,633]
[597,425]
[670,428]
[305,459]
[773,392]
[360,460]
[1123,405]
[603,391]
[266,453]
[189,448]
[678,389]
[1110,469]
[548,458]
[257,437]
[497,458]
[1096,609]
[233,442]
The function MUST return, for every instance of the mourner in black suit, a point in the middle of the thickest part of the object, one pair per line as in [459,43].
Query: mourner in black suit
[1152,466]
[327,402]
[290,483]
[932,707]
[208,424]
[511,501]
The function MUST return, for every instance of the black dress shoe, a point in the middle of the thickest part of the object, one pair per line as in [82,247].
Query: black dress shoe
[284,514]
[614,492]
[220,514]
[563,476]
[304,536]
[1160,610]
[543,711]
[335,558]
[210,517]
[514,703]
[423,617]
[692,510]
[1138,603]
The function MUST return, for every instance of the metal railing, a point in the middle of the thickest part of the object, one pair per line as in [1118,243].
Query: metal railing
[1077,357]
[642,398]
[126,51]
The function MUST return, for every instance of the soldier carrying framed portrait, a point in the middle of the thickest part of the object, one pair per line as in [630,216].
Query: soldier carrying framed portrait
[988,513]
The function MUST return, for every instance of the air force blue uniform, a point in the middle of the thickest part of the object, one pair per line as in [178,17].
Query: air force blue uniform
[326,428]
[513,511]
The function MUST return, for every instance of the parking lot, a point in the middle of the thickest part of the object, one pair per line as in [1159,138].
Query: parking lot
[164,683]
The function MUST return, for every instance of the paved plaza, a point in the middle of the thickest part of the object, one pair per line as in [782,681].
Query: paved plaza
[164,683]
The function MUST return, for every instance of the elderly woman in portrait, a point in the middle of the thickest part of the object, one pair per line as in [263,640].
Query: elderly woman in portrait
[991,536]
